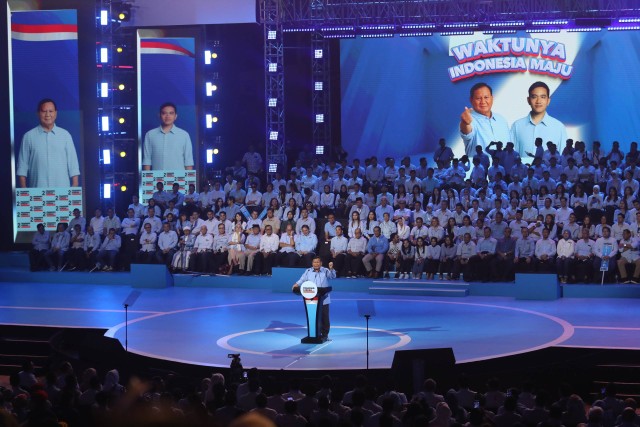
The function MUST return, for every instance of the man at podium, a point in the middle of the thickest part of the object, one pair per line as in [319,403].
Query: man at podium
[320,276]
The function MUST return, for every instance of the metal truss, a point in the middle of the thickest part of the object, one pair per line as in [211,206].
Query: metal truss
[305,14]
[274,87]
[321,99]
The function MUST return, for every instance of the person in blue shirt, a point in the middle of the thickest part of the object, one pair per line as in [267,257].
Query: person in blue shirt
[377,247]
[47,156]
[41,242]
[320,276]
[167,147]
[538,123]
[479,125]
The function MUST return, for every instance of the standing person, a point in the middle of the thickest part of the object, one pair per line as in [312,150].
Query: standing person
[167,147]
[320,275]
[479,125]
[538,123]
[47,155]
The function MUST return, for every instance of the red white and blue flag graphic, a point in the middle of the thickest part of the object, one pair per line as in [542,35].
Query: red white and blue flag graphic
[182,47]
[43,26]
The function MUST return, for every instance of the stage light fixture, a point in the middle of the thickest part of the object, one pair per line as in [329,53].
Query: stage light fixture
[628,20]
[273,102]
[119,49]
[210,120]
[106,191]
[318,53]
[121,86]
[319,118]
[104,17]
[106,157]
[216,151]
[105,123]
[319,150]
[210,88]
[273,135]
[123,154]
[124,14]
[209,155]
[273,167]
[273,67]
[104,55]
[271,35]
[121,120]
[214,55]
[318,86]
[214,119]
[207,57]
[104,90]
[123,188]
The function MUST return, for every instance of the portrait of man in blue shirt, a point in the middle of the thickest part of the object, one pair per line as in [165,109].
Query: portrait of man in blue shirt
[538,123]
[479,125]
[167,147]
[47,155]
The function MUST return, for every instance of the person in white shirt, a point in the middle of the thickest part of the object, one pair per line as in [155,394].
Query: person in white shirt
[253,198]
[148,239]
[629,255]
[153,221]
[269,243]
[202,248]
[167,243]
[97,222]
[355,252]
[564,261]
[338,250]
[59,247]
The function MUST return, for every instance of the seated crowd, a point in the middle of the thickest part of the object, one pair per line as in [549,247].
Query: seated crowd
[573,213]
[62,397]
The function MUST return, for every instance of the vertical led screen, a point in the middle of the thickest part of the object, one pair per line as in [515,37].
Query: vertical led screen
[46,117]
[167,74]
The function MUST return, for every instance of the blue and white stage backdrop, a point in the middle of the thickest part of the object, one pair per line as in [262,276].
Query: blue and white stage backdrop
[43,63]
[400,95]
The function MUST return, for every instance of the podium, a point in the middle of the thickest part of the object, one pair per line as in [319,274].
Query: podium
[312,299]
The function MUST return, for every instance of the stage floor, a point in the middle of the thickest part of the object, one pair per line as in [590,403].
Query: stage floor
[202,325]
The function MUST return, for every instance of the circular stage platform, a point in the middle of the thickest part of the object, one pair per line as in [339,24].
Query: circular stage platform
[267,333]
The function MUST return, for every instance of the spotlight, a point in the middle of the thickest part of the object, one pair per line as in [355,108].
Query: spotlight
[319,149]
[209,121]
[210,88]
[214,55]
[273,102]
[125,13]
[121,86]
[123,188]
[319,118]
[273,167]
[104,55]
[216,151]
[104,90]
[105,123]
[214,119]
[209,156]
[106,192]
[273,135]
[273,67]
[123,154]
[106,157]
[207,57]
[119,49]
[318,86]
[104,17]
[318,54]
[271,35]
[121,120]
